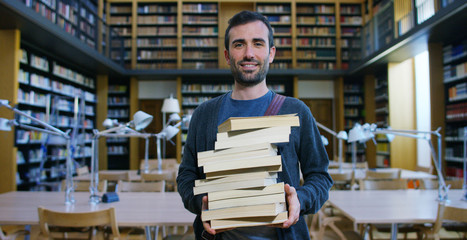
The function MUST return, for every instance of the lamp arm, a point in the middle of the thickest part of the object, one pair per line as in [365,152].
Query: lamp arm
[42,123]
[395,132]
[140,135]
[40,129]
[326,129]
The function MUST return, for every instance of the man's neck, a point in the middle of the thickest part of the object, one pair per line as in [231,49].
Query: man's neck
[248,93]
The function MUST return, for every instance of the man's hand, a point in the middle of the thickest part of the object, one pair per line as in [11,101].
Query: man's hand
[207,224]
[294,207]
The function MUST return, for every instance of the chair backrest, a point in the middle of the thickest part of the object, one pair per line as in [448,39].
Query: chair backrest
[153,164]
[83,185]
[396,174]
[446,212]
[128,186]
[115,176]
[158,176]
[82,171]
[49,218]
[433,183]
[386,184]
[344,180]
[424,169]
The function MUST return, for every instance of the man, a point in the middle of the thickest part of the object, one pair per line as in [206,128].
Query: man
[249,49]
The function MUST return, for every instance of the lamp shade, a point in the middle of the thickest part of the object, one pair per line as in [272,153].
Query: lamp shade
[170,132]
[174,117]
[108,123]
[141,120]
[170,105]
[360,133]
[5,124]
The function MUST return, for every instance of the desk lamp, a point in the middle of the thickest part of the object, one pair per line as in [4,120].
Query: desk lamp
[363,134]
[139,122]
[5,125]
[341,136]
[170,105]
[167,134]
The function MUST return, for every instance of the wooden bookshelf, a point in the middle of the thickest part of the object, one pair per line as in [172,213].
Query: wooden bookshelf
[455,83]
[351,21]
[61,96]
[354,112]
[316,36]
[120,22]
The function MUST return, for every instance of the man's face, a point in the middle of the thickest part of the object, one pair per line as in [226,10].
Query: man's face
[249,55]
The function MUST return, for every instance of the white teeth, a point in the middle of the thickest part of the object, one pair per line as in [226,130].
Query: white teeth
[249,65]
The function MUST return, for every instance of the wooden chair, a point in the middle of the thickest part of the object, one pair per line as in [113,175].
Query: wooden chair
[369,174]
[128,186]
[82,171]
[83,186]
[343,181]
[384,184]
[455,183]
[452,213]
[324,227]
[388,184]
[62,224]
[169,176]
[153,164]
[12,232]
[113,177]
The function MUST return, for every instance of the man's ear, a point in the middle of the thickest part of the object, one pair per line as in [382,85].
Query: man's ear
[226,55]
[272,54]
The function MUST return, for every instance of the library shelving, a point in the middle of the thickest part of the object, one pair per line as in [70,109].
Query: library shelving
[200,35]
[351,28]
[316,36]
[455,82]
[354,112]
[118,104]
[120,22]
[382,120]
[62,97]
[156,38]
[279,15]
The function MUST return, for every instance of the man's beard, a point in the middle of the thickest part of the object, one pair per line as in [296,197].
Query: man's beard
[249,80]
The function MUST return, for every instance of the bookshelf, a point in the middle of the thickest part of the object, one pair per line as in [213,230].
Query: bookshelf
[51,91]
[354,112]
[455,82]
[382,120]
[156,39]
[316,36]
[120,21]
[279,15]
[118,105]
[351,28]
[199,35]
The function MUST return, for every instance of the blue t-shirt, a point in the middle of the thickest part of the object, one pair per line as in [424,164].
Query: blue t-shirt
[246,108]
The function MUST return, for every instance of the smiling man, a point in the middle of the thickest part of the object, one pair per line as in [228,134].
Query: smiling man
[249,49]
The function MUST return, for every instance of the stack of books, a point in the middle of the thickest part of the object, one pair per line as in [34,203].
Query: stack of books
[242,170]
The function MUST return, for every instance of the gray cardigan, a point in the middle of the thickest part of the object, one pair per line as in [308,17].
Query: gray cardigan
[304,152]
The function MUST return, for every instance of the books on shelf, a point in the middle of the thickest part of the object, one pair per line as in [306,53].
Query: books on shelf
[241,174]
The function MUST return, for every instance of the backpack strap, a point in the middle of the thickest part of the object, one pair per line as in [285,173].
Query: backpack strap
[275,105]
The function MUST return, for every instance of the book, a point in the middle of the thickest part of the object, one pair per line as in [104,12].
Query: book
[236,150]
[242,164]
[243,123]
[271,135]
[270,209]
[249,221]
[257,132]
[235,178]
[239,193]
[241,155]
[239,172]
[246,201]
[249,183]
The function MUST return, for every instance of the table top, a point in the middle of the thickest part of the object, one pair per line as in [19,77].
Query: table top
[405,174]
[392,206]
[133,208]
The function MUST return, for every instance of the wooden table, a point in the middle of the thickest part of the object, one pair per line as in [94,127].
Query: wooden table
[405,174]
[392,206]
[133,209]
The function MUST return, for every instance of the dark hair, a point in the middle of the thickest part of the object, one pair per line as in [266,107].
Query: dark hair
[245,17]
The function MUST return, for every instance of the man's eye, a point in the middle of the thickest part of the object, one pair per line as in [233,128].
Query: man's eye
[259,44]
[238,45]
